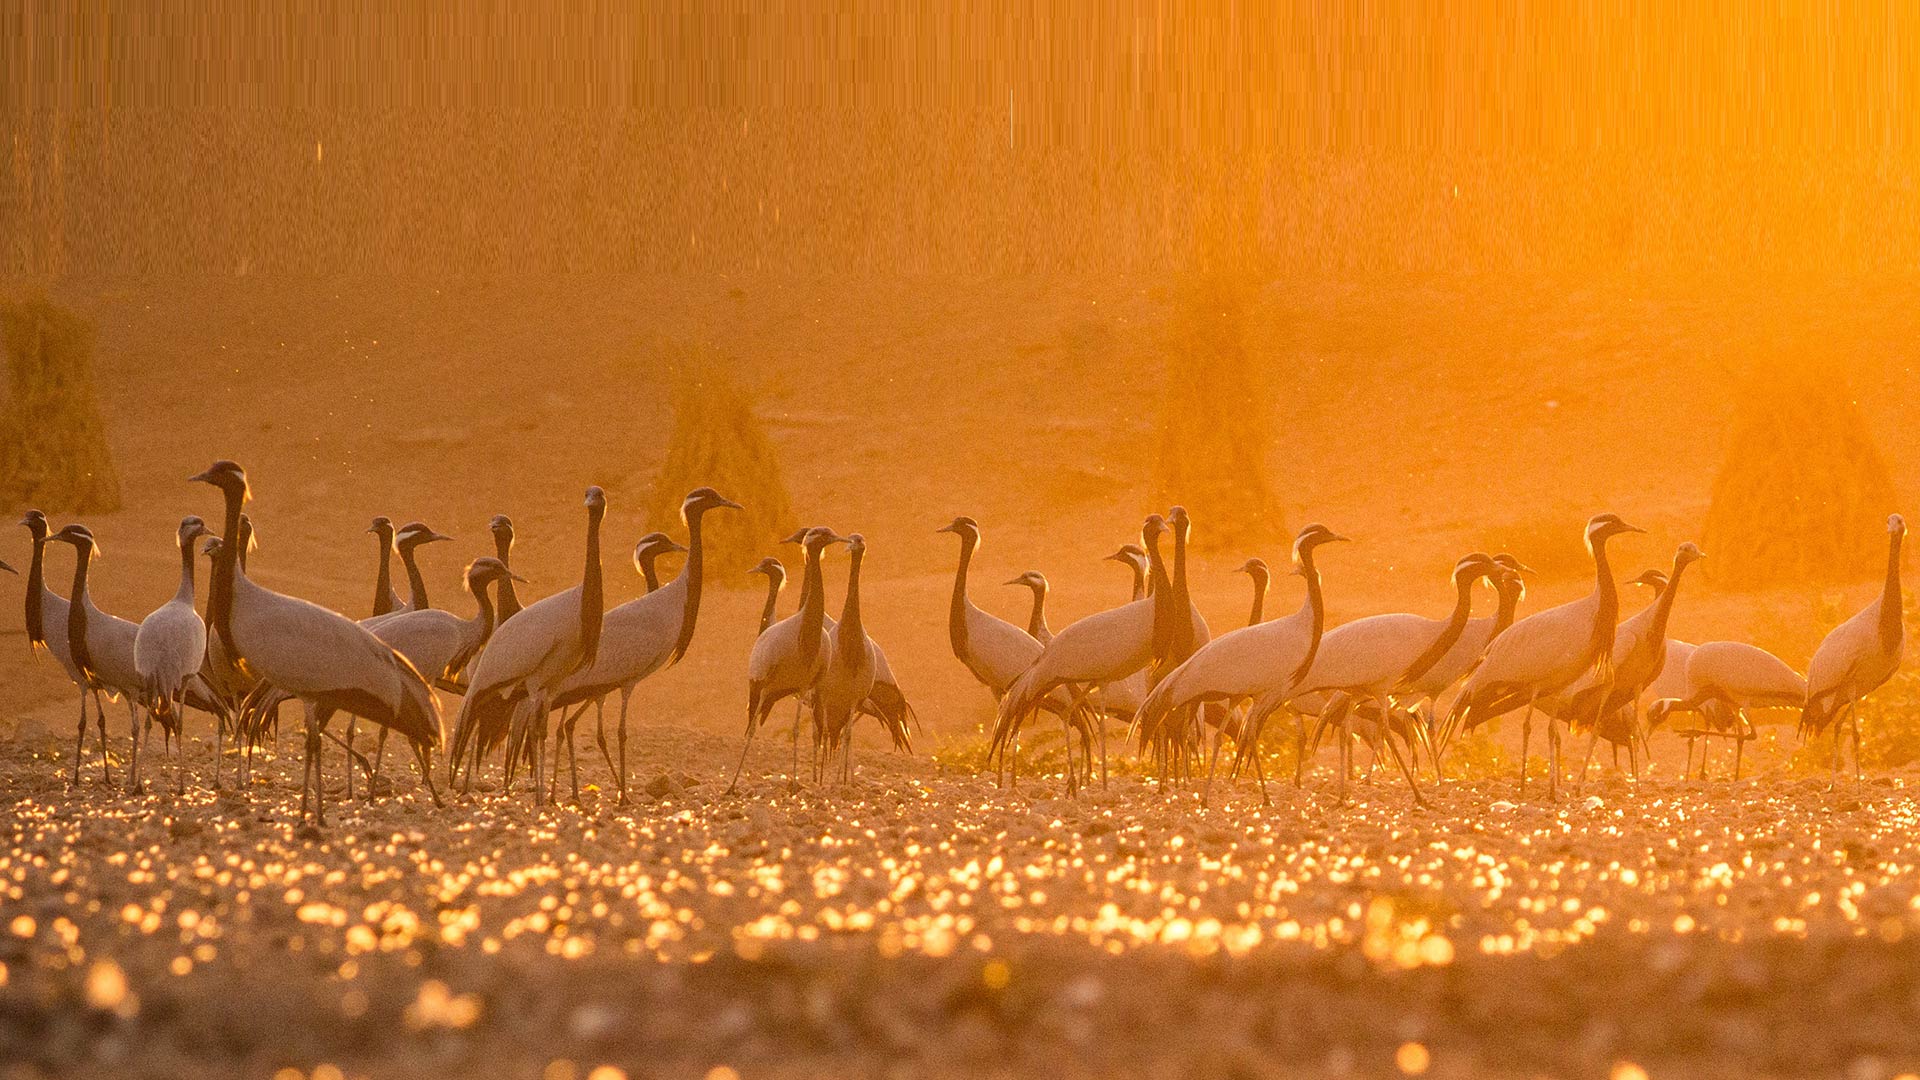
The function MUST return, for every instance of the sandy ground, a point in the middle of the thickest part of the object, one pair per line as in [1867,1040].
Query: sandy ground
[919,921]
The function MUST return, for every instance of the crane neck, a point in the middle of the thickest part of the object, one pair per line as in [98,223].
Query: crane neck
[593,599]
[1892,628]
[416,584]
[1315,607]
[1260,582]
[225,564]
[77,614]
[1139,579]
[693,573]
[773,600]
[1509,606]
[509,600]
[484,618]
[383,580]
[1162,592]
[850,611]
[1663,604]
[1037,621]
[957,610]
[36,593]
[1607,603]
[1450,632]
[813,607]
[647,571]
[1180,644]
[184,594]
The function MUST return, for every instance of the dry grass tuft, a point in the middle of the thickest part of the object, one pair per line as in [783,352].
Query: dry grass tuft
[1804,493]
[1214,423]
[719,442]
[53,443]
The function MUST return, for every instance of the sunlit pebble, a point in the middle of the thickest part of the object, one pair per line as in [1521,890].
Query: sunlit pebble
[607,1072]
[1627,1070]
[1412,1058]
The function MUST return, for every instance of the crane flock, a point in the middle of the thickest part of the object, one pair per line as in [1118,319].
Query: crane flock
[1149,666]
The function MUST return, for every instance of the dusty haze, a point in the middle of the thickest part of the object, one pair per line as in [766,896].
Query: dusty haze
[1499,275]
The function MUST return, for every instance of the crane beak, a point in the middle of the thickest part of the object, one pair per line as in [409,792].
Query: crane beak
[729,504]
[511,576]
[434,538]
[8,569]
[946,529]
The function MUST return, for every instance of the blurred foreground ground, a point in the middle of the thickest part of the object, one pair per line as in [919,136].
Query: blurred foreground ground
[923,923]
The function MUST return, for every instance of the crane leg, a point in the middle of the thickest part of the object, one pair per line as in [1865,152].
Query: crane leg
[426,773]
[1213,762]
[353,732]
[134,786]
[80,738]
[798,704]
[1853,721]
[1526,736]
[1553,759]
[1346,754]
[1586,763]
[1405,770]
[379,752]
[624,698]
[1066,739]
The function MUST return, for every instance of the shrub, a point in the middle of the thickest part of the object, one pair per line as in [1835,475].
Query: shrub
[53,443]
[718,442]
[1803,492]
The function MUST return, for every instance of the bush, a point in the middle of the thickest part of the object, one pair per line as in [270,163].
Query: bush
[1214,423]
[53,443]
[1804,492]
[718,442]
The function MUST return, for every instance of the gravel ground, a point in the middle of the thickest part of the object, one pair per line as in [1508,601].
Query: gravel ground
[919,923]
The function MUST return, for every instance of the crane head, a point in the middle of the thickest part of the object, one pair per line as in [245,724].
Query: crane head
[818,537]
[79,536]
[1513,564]
[1032,579]
[1896,525]
[1153,529]
[226,475]
[1309,538]
[1257,568]
[702,499]
[485,570]
[36,523]
[191,529]
[1473,567]
[962,526]
[415,533]
[856,544]
[1652,579]
[1688,553]
[596,500]
[1601,526]
[774,570]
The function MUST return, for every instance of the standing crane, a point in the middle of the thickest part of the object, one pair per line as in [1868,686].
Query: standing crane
[1256,569]
[47,610]
[644,635]
[101,644]
[1037,627]
[169,648]
[776,581]
[507,697]
[788,658]
[847,678]
[1857,657]
[1543,654]
[1725,679]
[328,661]
[1374,658]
